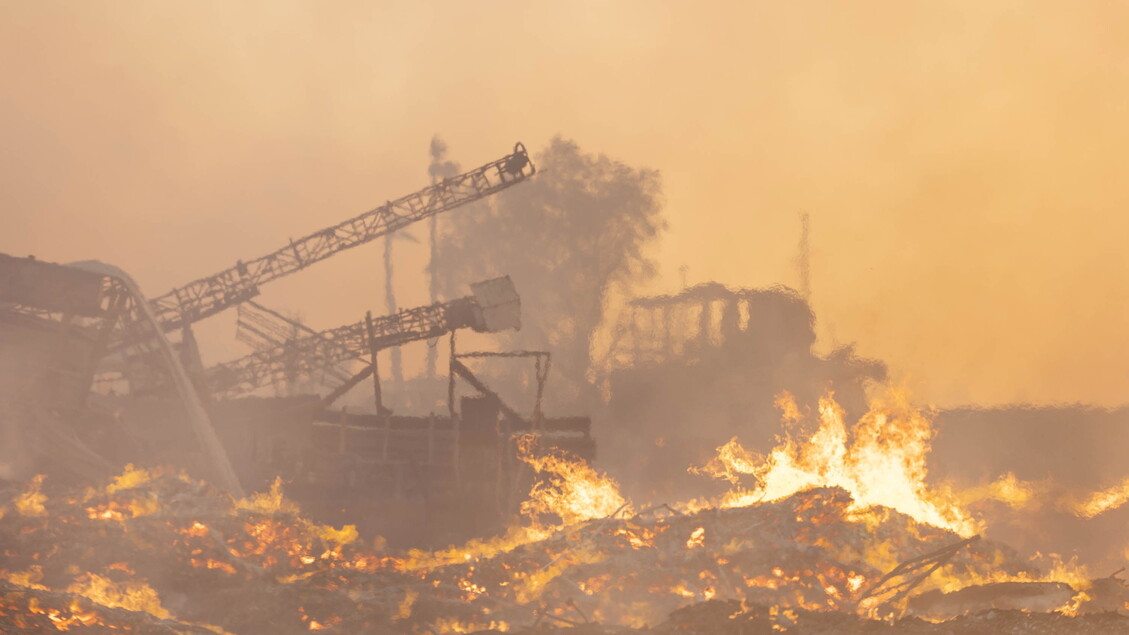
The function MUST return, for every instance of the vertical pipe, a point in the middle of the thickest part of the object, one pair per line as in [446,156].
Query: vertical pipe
[456,424]
[377,396]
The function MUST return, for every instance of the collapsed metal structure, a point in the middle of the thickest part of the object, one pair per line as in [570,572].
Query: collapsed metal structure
[64,329]
[56,326]
[494,307]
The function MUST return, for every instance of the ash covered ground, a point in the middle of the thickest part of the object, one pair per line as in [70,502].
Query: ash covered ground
[159,552]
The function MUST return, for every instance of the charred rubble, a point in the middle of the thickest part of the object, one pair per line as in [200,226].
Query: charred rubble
[165,553]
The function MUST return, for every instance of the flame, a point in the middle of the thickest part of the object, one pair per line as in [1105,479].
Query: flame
[30,503]
[63,619]
[825,528]
[881,461]
[1057,569]
[133,508]
[269,502]
[1009,490]
[1068,572]
[731,463]
[404,606]
[637,537]
[337,537]
[697,538]
[1103,501]
[1033,496]
[132,596]
[453,625]
[130,478]
[313,624]
[572,491]
[29,578]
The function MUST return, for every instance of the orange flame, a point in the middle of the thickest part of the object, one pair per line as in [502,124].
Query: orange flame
[132,596]
[30,503]
[881,461]
[1101,502]
[573,491]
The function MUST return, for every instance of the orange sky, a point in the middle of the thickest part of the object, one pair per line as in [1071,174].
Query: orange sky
[961,161]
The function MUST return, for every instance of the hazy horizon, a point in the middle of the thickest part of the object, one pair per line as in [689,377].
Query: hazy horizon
[958,160]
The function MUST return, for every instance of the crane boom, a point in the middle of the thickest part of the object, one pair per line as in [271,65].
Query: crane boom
[263,329]
[495,306]
[207,296]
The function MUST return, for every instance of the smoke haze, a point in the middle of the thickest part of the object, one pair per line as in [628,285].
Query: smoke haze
[960,161]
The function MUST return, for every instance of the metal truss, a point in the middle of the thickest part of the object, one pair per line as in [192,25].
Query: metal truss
[312,353]
[207,296]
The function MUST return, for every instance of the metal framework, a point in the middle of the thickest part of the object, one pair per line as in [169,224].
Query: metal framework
[67,316]
[542,363]
[358,340]
[207,296]
[262,329]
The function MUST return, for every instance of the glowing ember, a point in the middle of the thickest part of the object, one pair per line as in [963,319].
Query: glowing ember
[133,596]
[30,503]
[152,547]
[697,538]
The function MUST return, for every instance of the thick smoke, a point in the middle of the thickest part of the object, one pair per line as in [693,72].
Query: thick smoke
[961,161]
[439,169]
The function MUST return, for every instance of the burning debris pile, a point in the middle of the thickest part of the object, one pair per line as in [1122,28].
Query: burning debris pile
[159,552]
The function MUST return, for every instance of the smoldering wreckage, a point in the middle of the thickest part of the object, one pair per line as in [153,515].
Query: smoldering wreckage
[125,506]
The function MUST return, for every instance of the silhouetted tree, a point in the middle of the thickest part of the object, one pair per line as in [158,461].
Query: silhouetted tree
[574,233]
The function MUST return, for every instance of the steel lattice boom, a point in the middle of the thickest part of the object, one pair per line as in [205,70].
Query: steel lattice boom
[205,297]
[263,329]
[493,307]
